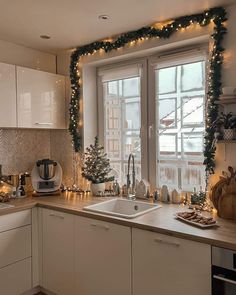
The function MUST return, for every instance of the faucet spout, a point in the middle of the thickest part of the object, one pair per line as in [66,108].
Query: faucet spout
[130,189]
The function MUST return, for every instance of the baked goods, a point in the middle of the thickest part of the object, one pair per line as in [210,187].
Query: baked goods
[196,218]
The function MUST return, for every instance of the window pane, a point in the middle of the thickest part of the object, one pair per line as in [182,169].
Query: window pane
[166,80]
[192,76]
[192,111]
[168,175]
[180,124]
[167,144]
[113,147]
[122,124]
[192,144]
[132,144]
[131,87]
[113,117]
[112,88]
[167,113]
[193,176]
[131,114]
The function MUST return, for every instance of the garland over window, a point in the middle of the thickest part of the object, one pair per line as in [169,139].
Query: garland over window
[216,15]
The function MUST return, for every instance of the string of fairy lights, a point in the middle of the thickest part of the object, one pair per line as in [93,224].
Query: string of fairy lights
[217,16]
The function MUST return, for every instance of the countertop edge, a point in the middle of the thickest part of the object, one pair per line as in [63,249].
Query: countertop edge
[120,221]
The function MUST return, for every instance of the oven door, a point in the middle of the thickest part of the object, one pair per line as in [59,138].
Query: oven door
[223,281]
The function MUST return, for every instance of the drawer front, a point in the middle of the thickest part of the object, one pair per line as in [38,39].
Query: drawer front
[15,245]
[13,220]
[15,279]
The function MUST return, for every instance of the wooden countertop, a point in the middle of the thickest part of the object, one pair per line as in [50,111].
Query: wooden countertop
[161,220]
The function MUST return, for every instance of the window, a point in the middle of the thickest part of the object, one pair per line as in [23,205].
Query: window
[180,124]
[162,124]
[121,93]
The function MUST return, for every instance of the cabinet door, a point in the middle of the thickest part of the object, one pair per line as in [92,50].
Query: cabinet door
[58,252]
[15,278]
[7,95]
[15,245]
[40,99]
[103,258]
[166,265]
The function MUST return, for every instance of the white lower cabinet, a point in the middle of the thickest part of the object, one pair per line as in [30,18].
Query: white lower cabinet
[58,252]
[15,278]
[167,265]
[103,258]
[15,253]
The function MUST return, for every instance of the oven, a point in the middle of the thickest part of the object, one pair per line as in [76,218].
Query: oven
[223,271]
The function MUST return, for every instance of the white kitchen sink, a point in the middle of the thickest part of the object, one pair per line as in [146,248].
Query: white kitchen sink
[122,208]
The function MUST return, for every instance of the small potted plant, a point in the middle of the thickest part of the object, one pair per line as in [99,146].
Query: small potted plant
[96,167]
[227,124]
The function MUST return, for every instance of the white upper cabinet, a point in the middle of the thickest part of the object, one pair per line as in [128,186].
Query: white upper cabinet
[7,96]
[40,99]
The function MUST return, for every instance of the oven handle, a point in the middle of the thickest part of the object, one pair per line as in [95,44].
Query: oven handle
[221,278]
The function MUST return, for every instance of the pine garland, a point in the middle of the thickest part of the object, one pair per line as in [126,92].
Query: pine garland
[217,15]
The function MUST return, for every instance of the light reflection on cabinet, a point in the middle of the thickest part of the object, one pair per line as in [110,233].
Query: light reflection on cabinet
[40,99]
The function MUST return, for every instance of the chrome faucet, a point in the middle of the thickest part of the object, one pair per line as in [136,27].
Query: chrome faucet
[130,189]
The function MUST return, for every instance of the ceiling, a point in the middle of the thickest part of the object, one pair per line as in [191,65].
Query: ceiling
[72,23]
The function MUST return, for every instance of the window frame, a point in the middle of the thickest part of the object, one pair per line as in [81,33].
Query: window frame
[158,62]
[148,100]
[142,62]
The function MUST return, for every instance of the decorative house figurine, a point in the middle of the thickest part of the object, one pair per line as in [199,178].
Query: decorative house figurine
[176,197]
[156,196]
[165,197]
[142,189]
[116,188]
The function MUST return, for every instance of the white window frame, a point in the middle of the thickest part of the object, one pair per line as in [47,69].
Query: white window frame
[158,62]
[143,102]
[148,108]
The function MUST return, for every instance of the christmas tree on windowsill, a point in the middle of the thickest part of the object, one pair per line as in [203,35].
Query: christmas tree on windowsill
[96,166]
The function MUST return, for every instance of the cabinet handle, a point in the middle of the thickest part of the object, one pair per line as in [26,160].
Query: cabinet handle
[166,242]
[46,123]
[56,215]
[221,278]
[106,227]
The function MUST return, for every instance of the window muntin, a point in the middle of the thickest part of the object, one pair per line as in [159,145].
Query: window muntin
[180,124]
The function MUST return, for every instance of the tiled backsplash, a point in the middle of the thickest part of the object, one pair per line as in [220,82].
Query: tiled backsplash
[21,148]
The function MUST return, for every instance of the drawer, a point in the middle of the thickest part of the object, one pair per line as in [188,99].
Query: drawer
[15,245]
[13,220]
[15,279]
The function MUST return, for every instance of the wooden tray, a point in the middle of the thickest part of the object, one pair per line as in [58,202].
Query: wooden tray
[196,223]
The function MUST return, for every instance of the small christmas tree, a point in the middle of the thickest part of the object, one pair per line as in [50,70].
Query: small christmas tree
[96,166]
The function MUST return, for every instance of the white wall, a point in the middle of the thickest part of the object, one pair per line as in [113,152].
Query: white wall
[23,56]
